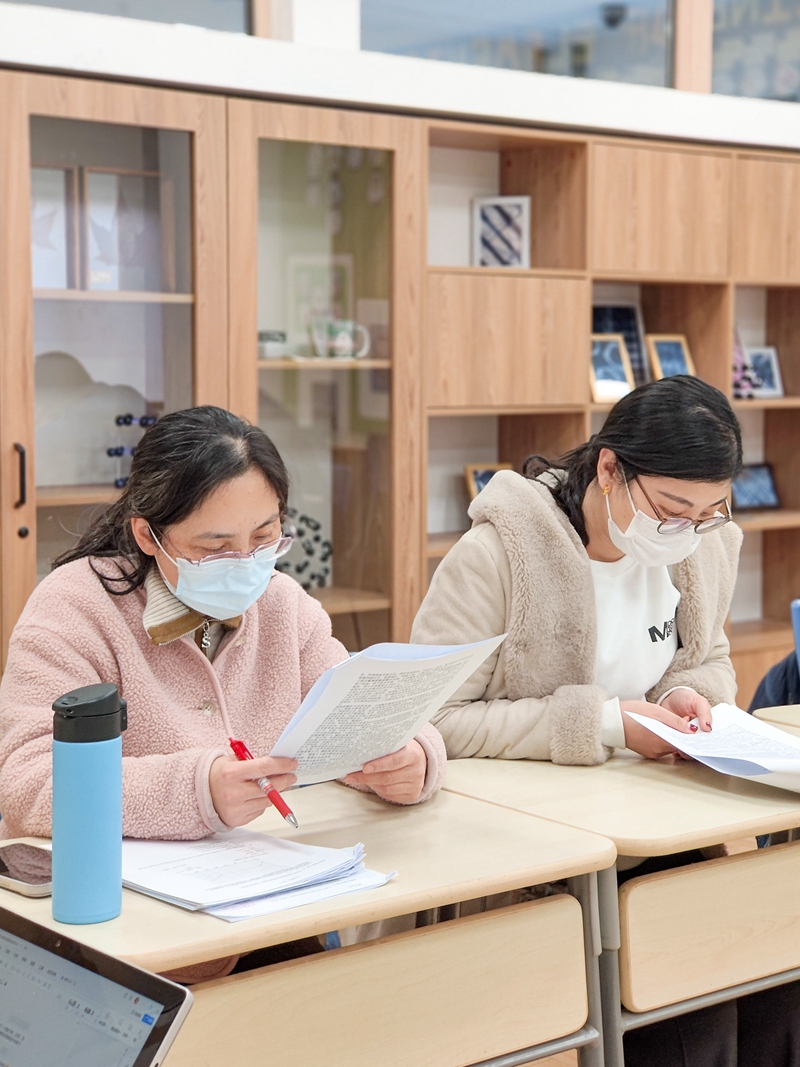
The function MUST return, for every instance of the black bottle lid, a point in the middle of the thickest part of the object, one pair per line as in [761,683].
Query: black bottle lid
[92,713]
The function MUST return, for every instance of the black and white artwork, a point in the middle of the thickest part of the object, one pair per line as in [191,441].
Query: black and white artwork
[501,231]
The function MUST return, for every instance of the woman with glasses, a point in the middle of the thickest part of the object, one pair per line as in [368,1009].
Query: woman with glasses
[611,570]
[172,595]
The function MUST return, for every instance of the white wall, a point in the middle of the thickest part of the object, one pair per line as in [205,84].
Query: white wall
[456,176]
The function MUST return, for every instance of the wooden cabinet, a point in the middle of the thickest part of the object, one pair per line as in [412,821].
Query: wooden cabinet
[246,188]
[120,302]
[326,225]
[765,235]
[505,341]
[660,212]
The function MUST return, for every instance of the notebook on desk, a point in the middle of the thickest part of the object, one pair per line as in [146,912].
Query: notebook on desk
[63,1004]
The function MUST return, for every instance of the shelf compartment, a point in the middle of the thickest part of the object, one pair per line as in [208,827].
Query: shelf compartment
[782,403]
[63,496]
[343,601]
[759,635]
[113,296]
[324,364]
[776,519]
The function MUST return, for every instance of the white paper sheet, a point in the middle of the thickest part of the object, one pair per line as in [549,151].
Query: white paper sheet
[738,744]
[295,898]
[230,867]
[373,704]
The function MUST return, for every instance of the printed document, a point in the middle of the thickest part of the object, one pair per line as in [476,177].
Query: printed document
[240,865]
[373,704]
[738,744]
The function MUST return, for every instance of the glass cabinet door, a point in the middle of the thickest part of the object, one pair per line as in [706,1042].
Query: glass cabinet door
[324,359]
[111,252]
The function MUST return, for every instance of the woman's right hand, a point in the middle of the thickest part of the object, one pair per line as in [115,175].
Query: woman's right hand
[639,739]
[235,792]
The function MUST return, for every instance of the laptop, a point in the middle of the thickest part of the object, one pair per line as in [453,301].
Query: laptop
[63,1004]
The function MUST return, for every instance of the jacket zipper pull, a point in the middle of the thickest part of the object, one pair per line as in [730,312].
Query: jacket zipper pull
[205,641]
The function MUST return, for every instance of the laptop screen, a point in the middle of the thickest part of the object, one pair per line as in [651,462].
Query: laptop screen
[55,1012]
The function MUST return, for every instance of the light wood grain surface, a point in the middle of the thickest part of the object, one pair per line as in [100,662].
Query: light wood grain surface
[659,211]
[788,715]
[767,193]
[529,331]
[446,850]
[707,926]
[440,996]
[646,807]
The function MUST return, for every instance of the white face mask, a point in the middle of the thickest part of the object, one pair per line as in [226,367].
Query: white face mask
[643,543]
[226,587]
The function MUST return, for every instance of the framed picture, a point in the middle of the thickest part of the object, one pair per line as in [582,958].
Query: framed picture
[626,319]
[610,373]
[129,231]
[501,231]
[669,355]
[754,488]
[766,371]
[54,245]
[479,475]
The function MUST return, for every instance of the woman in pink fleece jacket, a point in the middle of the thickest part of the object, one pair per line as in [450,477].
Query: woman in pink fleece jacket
[200,653]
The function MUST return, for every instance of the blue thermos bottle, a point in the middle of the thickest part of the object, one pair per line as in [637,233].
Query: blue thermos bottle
[87,804]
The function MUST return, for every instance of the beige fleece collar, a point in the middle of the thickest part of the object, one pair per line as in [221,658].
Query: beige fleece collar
[166,618]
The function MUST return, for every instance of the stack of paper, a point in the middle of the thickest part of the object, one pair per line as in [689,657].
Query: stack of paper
[242,873]
[740,745]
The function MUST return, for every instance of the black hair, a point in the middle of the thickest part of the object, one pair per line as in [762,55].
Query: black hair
[178,463]
[678,427]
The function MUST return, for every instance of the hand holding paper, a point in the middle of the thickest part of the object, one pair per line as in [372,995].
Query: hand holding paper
[373,704]
[739,745]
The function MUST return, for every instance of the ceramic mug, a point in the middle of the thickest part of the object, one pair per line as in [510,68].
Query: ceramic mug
[339,338]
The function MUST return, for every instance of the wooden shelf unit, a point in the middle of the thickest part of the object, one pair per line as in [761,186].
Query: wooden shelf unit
[690,224]
[515,344]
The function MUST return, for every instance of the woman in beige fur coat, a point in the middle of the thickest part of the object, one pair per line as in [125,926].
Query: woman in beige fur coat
[612,572]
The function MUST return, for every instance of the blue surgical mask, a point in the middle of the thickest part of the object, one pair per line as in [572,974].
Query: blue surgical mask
[225,585]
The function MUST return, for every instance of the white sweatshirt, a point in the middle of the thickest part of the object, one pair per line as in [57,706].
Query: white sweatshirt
[636,635]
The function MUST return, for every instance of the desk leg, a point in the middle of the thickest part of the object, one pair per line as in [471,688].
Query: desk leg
[608,896]
[584,889]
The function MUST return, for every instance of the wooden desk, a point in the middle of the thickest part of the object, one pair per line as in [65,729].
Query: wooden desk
[787,717]
[446,994]
[680,939]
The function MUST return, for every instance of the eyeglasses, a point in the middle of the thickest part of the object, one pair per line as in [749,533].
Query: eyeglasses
[272,550]
[677,525]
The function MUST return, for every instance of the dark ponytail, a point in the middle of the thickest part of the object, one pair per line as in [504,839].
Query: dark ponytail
[678,427]
[179,461]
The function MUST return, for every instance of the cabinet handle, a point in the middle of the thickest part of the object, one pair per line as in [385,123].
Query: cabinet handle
[23,478]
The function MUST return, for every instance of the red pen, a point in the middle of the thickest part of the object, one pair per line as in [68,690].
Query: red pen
[242,752]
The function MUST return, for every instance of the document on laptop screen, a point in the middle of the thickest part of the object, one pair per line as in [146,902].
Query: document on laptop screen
[54,1013]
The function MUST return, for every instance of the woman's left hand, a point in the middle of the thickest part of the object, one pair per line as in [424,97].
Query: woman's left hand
[398,777]
[689,705]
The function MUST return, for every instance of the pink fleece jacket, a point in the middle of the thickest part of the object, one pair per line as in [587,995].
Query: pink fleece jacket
[73,633]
